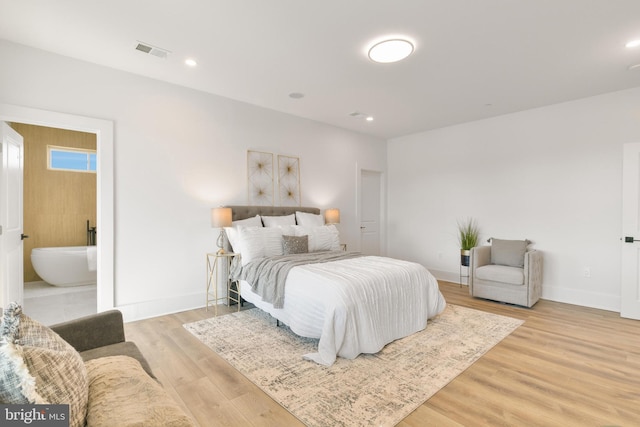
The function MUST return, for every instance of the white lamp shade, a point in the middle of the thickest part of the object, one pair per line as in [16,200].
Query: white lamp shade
[220,217]
[332,216]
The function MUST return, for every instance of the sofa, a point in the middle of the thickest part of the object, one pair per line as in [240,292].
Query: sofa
[85,363]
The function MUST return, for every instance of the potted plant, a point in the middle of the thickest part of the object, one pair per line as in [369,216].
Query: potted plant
[468,236]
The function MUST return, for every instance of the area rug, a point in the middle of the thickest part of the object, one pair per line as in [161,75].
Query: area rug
[372,390]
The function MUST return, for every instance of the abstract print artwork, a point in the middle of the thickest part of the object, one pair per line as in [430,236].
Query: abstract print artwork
[260,178]
[289,180]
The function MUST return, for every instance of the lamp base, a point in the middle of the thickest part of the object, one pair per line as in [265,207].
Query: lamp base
[220,242]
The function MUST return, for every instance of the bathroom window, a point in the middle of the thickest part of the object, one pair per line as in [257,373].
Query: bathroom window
[71,159]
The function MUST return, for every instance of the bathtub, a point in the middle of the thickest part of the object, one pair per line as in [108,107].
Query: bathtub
[66,266]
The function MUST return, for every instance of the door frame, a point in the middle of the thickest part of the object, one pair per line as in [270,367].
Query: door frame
[630,251]
[9,241]
[383,207]
[103,129]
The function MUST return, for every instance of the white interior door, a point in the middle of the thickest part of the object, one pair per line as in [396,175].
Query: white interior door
[370,208]
[630,292]
[11,176]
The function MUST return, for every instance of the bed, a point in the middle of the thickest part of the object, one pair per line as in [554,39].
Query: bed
[351,303]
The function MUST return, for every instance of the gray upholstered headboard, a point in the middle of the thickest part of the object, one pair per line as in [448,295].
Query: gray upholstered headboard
[243,212]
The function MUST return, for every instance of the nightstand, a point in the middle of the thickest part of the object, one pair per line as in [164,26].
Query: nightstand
[219,267]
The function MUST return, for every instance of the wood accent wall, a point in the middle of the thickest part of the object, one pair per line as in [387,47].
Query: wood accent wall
[57,204]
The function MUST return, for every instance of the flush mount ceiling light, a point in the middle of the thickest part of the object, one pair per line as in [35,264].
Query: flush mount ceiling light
[633,43]
[390,50]
[191,62]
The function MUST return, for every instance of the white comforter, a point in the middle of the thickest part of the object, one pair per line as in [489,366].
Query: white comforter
[356,305]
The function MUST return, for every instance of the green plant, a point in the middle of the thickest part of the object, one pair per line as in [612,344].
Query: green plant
[468,234]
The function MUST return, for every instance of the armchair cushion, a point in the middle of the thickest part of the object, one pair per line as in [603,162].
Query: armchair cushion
[501,273]
[508,252]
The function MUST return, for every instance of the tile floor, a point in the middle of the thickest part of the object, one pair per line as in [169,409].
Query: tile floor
[51,304]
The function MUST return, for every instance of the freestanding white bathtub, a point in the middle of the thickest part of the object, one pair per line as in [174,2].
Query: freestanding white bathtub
[66,266]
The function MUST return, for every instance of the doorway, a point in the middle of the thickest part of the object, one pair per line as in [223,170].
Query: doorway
[371,212]
[59,212]
[103,130]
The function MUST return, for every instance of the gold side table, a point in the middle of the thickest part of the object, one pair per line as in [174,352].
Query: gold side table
[219,265]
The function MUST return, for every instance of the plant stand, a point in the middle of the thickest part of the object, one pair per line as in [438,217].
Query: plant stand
[465,260]
[464,276]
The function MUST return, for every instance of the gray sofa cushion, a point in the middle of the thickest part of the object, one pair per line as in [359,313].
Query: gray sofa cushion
[92,331]
[501,273]
[508,252]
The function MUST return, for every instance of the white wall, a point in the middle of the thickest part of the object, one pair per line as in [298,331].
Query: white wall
[552,175]
[177,154]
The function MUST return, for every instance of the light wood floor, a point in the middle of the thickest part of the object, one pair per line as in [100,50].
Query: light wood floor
[566,366]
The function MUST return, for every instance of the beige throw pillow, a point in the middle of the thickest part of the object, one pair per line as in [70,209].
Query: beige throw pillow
[123,395]
[39,367]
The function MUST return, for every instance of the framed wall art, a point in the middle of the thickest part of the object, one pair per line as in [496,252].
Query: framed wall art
[289,180]
[260,178]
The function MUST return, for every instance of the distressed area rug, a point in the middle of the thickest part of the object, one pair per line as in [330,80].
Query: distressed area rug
[372,390]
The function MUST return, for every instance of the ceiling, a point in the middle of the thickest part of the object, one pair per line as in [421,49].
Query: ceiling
[473,59]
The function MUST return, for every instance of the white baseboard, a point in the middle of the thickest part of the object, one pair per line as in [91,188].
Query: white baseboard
[582,298]
[553,293]
[148,309]
[448,276]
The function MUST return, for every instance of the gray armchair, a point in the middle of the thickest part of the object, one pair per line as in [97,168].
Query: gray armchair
[510,273]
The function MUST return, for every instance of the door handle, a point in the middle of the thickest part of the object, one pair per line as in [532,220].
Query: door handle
[362,228]
[23,236]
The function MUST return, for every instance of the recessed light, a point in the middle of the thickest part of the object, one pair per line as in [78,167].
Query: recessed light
[633,43]
[296,95]
[390,50]
[191,62]
[369,119]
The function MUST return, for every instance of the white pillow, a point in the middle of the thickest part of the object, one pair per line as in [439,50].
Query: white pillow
[232,232]
[324,238]
[309,219]
[279,221]
[254,221]
[259,242]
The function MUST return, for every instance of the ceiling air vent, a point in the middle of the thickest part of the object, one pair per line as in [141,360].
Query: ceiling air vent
[152,50]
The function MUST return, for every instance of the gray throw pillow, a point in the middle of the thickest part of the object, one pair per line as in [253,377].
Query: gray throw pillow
[508,252]
[295,244]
